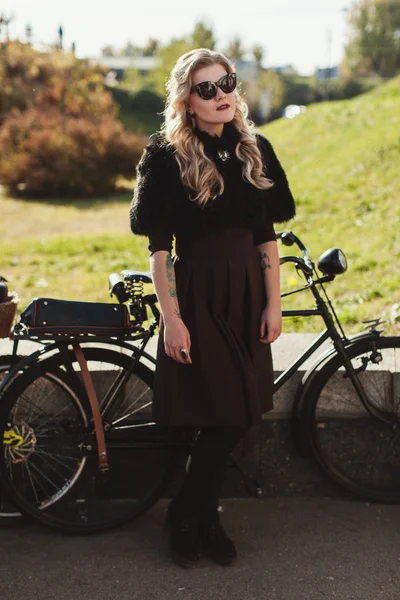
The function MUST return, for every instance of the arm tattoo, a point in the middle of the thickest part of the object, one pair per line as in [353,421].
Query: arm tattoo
[171,276]
[172,284]
[265,261]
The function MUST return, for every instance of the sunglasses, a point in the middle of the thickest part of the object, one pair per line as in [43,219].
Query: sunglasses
[208,89]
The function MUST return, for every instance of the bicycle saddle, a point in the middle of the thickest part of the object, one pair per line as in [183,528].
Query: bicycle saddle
[134,276]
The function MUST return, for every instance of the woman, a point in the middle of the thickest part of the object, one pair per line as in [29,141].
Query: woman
[209,179]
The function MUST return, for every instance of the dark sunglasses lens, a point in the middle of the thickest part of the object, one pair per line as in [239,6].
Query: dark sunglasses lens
[207,90]
[228,83]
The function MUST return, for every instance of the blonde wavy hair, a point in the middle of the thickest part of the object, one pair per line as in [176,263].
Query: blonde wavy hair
[199,172]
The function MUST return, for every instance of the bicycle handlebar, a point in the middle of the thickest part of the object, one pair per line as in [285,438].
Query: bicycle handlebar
[132,289]
[288,238]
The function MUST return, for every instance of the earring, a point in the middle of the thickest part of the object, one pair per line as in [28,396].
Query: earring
[190,115]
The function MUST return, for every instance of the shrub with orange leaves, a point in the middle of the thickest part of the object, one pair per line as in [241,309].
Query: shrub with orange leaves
[50,155]
[59,135]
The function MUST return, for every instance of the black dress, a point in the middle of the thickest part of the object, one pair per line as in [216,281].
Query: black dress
[220,288]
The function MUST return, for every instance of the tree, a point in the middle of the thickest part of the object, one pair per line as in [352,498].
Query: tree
[203,37]
[374,46]
[151,47]
[258,53]
[272,85]
[235,50]
[133,79]
[130,50]
[168,55]
[108,51]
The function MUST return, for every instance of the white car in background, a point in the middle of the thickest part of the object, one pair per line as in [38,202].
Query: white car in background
[293,110]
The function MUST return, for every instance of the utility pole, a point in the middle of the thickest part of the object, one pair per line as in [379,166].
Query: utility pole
[329,63]
[4,24]
[60,37]
[28,33]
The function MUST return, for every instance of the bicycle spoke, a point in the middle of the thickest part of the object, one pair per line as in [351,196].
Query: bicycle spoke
[74,458]
[133,412]
[33,466]
[31,480]
[28,418]
[44,455]
[29,402]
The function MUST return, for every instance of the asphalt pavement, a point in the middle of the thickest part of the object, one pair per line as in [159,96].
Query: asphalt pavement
[289,549]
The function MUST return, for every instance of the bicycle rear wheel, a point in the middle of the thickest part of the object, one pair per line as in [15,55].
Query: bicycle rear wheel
[358,446]
[55,479]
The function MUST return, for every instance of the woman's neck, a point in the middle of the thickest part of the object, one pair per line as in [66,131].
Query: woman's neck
[212,129]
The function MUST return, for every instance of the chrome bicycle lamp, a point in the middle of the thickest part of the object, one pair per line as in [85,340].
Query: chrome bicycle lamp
[332,262]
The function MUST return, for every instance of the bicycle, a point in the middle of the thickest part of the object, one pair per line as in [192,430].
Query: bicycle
[77,486]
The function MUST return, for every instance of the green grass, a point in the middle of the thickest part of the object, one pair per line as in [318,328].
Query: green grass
[342,161]
[67,249]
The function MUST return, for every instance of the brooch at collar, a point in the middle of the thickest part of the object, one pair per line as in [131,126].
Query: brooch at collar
[224,155]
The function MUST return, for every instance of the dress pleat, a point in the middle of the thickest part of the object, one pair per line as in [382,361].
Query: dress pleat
[221,296]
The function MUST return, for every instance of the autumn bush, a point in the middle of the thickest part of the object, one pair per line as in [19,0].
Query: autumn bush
[59,133]
[49,154]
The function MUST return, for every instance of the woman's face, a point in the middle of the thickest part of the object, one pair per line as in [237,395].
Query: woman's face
[206,112]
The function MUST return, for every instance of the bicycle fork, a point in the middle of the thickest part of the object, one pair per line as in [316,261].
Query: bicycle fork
[352,373]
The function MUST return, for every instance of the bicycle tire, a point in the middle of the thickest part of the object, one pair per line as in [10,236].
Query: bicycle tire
[342,433]
[89,506]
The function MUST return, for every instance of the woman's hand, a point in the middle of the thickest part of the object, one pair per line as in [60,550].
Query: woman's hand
[176,336]
[271,323]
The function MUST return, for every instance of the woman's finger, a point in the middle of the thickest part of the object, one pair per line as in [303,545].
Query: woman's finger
[174,354]
[273,335]
[179,355]
[188,347]
[262,328]
[186,356]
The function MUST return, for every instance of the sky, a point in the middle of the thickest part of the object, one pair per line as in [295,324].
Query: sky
[305,33]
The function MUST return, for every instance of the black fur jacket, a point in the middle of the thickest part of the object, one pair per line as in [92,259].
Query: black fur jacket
[162,204]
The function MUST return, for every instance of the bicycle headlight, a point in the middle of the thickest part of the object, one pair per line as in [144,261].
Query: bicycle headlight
[332,262]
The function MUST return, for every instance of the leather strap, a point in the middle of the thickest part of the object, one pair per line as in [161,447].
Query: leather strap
[94,405]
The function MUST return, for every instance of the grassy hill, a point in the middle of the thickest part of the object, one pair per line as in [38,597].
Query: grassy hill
[342,161]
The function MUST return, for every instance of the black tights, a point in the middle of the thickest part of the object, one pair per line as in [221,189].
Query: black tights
[208,458]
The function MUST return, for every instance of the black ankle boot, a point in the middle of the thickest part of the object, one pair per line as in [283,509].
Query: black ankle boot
[184,540]
[214,540]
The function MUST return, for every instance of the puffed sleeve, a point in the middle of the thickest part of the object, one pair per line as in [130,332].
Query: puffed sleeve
[160,241]
[265,233]
[281,204]
[151,207]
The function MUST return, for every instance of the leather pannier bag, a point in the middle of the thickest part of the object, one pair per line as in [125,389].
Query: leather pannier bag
[50,315]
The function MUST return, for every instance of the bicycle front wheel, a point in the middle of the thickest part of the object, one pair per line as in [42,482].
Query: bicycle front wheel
[358,445]
[50,459]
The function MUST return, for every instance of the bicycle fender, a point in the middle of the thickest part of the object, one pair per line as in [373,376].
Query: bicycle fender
[325,356]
